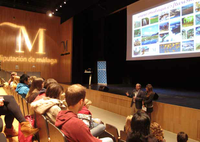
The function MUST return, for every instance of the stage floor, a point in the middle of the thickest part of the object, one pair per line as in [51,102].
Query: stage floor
[178,97]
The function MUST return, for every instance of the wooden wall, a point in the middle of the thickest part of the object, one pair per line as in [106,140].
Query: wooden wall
[171,117]
[54,34]
[65,67]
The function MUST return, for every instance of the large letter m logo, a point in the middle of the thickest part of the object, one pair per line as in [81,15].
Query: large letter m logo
[23,32]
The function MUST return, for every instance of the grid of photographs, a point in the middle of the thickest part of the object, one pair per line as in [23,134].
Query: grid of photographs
[171,31]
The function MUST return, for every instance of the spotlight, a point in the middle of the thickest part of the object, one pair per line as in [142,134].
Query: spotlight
[56,9]
[52,12]
[49,13]
[60,5]
[65,2]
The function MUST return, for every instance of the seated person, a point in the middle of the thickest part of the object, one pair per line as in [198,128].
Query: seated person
[182,137]
[140,126]
[22,87]
[42,93]
[127,127]
[157,131]
[15,82]
[95,124]
[36,86]
[12,77]
[75,129]
[50,105]
[11,110]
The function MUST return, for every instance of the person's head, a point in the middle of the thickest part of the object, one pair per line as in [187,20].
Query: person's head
[138,86]
[87,103]
[149,88]
[182,137]
[37,83]
[16,79]
[157,131]
[12,75]
[54,90]
[48,82]
[75,96]
[140,123]
[24,79]
[128,124]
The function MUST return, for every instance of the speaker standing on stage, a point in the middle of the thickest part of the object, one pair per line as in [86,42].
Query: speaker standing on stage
[137,97]
[148,99]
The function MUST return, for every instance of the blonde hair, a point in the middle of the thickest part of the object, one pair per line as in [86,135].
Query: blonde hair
[87,103]
[157,131]
[128,124]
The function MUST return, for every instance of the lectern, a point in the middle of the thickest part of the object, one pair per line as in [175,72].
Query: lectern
[89,71]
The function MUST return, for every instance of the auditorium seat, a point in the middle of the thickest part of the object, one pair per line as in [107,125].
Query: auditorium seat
[25,104]
[113,130]
[55,134]
[41,123]
[107,134]
[123,135]
[21,104]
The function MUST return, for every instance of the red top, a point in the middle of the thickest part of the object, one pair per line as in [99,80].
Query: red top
[40,96]
[74,129]
[84,110]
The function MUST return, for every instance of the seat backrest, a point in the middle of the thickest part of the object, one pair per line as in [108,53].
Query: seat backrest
[41,123]
[107,134]
[21,104]
[113,130]
[123,135]
[55,134]
[25,104]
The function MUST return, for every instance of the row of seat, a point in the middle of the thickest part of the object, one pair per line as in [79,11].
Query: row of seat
[48,131]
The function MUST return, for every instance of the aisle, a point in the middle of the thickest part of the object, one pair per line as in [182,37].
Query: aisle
[15,122]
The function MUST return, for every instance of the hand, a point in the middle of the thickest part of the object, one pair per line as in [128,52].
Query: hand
[127,94]
[1,101]
[134,98]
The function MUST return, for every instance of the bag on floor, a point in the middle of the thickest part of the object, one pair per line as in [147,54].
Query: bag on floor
[21,137]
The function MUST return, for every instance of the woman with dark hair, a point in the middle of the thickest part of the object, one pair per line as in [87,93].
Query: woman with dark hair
[11,110]
[51,104]
[22,87]
[140,125]
[42,93]
[36,87]
[148,99]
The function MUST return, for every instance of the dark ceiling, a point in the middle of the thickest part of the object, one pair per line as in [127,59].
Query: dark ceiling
[71,8]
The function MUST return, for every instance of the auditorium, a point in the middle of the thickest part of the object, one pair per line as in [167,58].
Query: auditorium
[99,71]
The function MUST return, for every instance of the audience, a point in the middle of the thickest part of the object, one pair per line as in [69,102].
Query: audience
[69,114]
[42,92]
[140,125]
[36,86]
[127,127]
[11,110]
[50,105]
[15,82]
[75,129]
[12,77]
[148,99]
[22,87]
[157,131]
[96,128]
[182,137]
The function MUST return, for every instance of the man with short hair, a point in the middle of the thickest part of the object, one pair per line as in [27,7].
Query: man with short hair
[136,96]
[182,137]
[22,87]
[75,129]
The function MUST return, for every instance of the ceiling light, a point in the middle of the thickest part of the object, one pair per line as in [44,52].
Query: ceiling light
[50,15]
[65,2]
[60,5]
[56,9]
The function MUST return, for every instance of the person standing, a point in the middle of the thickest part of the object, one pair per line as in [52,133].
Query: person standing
[137,97]
[148,99]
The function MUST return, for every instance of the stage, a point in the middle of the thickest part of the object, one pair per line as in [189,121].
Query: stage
[180,97]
